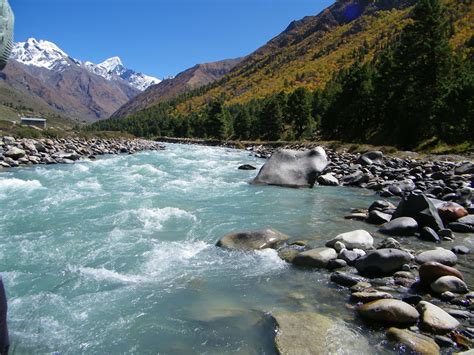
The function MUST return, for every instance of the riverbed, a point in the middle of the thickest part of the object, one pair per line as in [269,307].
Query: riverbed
[117,255]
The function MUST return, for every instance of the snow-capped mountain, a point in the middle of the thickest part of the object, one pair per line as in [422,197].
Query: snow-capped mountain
[113,67]
[45,54]
[42,54]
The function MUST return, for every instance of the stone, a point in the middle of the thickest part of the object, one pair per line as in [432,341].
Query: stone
[382,261]
[318,257]
[375,156]
[451,212]
[431,271]
[460,249]
[420,208]
[9,140]
[435,320]
[358,216]
[360,286]
[338,246]
[429,235]
[381,205]
[417,343]
[328,180]
[345,279]
[449,283]
[461,227]
[15,153]
[359,239]
[440,255]
[306,333]
[389,311]
[253,240]
[288,254]
[465,168]
[350,256]
[402,226]
[469,219]
[378,217]
[444,341]
[247,167]
[390,243]
[336,264]
[367,296]
[291,168]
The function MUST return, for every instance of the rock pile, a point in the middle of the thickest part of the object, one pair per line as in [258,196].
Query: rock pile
[391,176]
[22,152]
[389,286]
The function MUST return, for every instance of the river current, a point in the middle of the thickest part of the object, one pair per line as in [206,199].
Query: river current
[117,255]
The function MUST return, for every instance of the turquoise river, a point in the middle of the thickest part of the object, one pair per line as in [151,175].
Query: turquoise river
[117,255]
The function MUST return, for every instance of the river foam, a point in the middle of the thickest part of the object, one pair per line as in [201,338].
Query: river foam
[118,255]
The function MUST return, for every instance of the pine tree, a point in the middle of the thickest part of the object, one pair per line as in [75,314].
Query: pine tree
[218,120]
[299,111]
[271,120]
[413,75]
[243,123]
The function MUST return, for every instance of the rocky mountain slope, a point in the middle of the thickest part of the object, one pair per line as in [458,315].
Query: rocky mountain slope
[193,78]
[45,74]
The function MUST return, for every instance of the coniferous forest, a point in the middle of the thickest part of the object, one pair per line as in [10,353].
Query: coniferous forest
[415,89]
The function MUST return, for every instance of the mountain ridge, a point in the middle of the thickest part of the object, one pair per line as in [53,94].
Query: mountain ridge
[188,80]
[309,51]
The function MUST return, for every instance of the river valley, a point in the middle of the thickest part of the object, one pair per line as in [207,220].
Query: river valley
[118,255]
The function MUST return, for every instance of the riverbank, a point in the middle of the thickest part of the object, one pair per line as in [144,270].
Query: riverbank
[388,172]
[23,152]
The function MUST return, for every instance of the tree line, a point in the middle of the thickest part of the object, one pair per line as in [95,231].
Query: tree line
[416,88]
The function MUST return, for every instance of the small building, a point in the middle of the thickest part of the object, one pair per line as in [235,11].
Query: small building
[36,122]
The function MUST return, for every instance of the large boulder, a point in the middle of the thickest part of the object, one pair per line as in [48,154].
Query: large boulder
[449,283]
[432,271]
[253,240]
[435,320]
[318,257]
[440,255]
[417,343]
[402,226]
[15,153]
[389,311]
[421,209]
[451,212]
[358,239]
[382,261]
[306,333]
[291,168]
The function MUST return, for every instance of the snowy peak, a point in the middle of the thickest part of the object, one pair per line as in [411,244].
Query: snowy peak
[111,64]
[45,54]
[41,54]
[113,68]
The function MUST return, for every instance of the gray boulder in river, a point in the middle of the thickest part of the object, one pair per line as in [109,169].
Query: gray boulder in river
[402,226]
[382,261]
[422,209]
[253,240]
[291,168]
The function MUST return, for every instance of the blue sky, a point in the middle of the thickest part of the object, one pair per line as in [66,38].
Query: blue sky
[158,37]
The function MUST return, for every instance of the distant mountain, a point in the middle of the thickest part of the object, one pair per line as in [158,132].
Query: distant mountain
[44,54]
[44,73]
[190,79]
